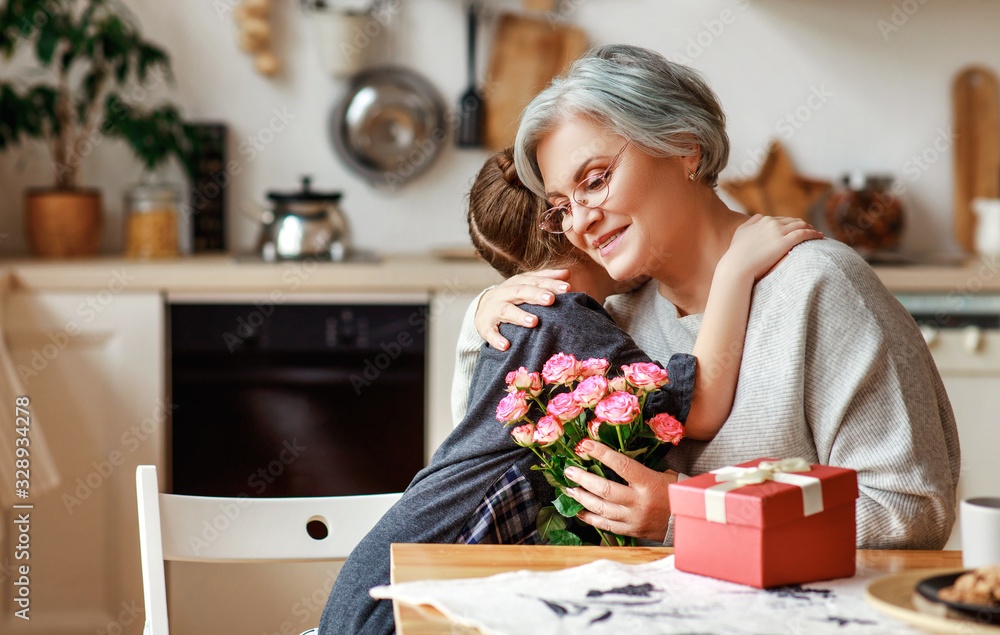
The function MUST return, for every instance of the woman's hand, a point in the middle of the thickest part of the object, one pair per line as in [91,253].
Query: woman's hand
[640,509]
[499,303]
[762,241]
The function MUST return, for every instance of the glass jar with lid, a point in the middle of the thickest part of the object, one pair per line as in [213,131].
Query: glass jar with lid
[152,212]
[866,213]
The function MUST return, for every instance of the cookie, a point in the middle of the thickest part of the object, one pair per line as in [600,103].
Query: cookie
[981,586]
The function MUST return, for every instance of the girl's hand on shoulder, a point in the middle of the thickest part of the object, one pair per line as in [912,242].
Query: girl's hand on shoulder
[499,304]
[762,241]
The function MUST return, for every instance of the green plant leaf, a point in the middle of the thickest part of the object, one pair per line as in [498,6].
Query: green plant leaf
[548,521]
[564,538]
[549,478]
[45,47]
[149,56]
[567,506]
[635,454]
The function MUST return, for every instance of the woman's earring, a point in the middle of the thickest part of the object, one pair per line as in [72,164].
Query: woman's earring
[690,175]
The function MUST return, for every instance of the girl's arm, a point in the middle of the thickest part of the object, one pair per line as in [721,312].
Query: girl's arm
[757,246]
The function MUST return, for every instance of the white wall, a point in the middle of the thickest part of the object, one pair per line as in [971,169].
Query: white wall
[888,99]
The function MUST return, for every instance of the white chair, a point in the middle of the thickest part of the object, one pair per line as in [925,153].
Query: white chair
[208,529]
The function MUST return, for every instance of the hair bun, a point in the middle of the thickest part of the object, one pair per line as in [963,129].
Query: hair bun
[505,161]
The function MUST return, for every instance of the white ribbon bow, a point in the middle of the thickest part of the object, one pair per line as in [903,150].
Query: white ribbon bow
[733,477]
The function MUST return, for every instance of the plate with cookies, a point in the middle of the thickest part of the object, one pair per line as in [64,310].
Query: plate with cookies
[942,601]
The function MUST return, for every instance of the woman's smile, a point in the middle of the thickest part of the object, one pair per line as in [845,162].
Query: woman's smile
[607,243]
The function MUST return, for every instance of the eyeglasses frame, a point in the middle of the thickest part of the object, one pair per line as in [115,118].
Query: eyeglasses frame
[568,207]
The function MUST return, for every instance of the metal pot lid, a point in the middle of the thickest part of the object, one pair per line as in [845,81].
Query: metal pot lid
[390,125]
[306,194]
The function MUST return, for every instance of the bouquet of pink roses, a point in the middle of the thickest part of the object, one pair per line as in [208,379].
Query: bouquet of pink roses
[575,401]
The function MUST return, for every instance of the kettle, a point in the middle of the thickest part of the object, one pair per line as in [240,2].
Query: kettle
[305,224]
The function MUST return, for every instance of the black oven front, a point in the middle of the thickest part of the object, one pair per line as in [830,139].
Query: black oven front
[296,399]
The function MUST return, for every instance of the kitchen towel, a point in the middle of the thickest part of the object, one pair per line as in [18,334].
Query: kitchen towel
[609,598]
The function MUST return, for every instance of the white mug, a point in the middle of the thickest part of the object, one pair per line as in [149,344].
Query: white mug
[987,226]
[980,532]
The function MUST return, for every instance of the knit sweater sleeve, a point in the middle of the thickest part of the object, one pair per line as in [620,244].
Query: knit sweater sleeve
[875,402]
[466,355]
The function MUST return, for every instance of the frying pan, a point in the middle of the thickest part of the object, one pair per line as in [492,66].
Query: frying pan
[389,126]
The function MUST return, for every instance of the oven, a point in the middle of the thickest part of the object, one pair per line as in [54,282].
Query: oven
[299,396]
[963,334]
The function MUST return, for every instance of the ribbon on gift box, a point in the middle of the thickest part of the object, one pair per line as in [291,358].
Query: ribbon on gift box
[733,477]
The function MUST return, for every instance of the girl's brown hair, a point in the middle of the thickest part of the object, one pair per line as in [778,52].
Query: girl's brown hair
[503,222]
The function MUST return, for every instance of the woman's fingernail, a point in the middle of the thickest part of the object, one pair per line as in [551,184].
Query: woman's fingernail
[570,472]
[564,287]
[529,319]
[547,297]
[588,445]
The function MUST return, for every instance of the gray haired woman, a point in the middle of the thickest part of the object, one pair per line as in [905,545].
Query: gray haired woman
[834,370]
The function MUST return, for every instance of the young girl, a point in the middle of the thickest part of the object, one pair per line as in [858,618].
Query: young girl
[479,486]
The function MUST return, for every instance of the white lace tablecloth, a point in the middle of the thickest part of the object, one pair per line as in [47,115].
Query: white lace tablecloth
[610,598]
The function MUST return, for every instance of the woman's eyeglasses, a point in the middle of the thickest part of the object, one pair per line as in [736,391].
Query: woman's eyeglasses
[590,193]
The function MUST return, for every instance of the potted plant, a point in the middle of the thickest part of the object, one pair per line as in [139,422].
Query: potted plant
[92,56]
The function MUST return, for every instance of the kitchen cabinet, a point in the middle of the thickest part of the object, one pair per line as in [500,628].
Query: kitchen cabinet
[93,365]
[976,402]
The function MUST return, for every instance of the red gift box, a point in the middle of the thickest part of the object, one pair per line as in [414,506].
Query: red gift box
[797,526]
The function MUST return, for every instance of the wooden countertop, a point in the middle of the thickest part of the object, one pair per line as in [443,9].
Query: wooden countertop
[391,273]
[440,561]
[226,274]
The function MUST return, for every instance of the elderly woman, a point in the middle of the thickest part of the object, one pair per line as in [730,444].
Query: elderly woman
[627,149]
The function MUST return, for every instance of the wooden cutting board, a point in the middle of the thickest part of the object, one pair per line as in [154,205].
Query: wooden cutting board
[527,53]
[976,104]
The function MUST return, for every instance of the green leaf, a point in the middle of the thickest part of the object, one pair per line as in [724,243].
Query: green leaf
[551,479]
[45,47]
[567,506]
[564,538]
[635,454]
[149,56]
[548,521]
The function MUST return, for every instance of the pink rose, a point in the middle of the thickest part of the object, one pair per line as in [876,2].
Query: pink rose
[564,407]
[521,379]
[666,428]
[594,429]
[523,435]
[646,377]
[618,384]
[591,390]
[580,452]
[561,369]
[513,406]
[593,366]
[548,431]
[618,408]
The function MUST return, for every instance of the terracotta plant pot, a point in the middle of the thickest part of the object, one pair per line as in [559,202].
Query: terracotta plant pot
[61,223]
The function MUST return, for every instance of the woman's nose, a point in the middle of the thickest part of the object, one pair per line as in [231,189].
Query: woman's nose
[584,217]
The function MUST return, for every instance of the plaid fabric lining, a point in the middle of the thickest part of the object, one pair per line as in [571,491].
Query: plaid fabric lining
[507,514]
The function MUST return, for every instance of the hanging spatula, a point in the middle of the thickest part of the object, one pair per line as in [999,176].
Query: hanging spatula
[470,106]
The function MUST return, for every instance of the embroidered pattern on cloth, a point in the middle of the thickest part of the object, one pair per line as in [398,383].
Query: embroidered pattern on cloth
[507,514]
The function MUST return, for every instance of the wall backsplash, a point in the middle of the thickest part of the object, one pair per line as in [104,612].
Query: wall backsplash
[844,85]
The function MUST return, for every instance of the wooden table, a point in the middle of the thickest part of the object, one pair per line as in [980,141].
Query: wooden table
[426,562]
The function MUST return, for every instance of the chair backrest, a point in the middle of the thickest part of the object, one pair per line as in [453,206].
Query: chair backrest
[243,529]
